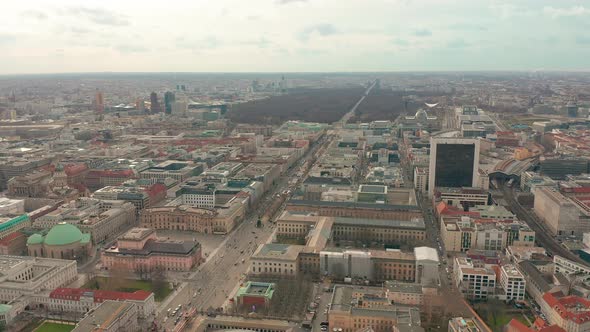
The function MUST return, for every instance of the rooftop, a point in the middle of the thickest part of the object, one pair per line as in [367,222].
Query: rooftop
[251,288]
[426,253]
[372,189]
[464,324]
[136,234]
[354,205]
[511,271]
[8,202]
[277,251]
[412,224]
[343,300]
[573,308]
[103,316]
[98,295]
[403,287]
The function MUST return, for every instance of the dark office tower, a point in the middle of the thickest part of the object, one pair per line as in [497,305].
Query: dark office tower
[572,109]
[98,102]
[454,162]
[177,87]
[183,87]
[169,99]
[155,105]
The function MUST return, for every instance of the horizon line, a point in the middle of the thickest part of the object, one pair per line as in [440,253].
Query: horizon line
[305,72]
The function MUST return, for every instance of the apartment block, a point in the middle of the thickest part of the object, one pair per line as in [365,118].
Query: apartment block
[475,283]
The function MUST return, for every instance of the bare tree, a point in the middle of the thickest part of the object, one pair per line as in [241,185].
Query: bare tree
[159,283]
[116,280]
[495,310]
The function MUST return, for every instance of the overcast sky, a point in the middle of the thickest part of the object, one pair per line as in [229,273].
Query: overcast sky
[42,36]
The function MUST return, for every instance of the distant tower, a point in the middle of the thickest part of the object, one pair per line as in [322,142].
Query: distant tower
[155,105]
[139,104]
[572,108]
[283,84]
[169,99]
[98,102]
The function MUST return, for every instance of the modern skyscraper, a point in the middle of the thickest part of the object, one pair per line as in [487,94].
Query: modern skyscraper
[98,102]
[169,99]
[155,104]
[454,162]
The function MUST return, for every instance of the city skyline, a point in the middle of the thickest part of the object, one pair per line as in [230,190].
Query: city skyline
[293,36]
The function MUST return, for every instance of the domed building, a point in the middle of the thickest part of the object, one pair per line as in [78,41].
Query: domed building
[64,241]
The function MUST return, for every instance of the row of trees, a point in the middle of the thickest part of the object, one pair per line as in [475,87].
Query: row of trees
[314,105]
[119,277]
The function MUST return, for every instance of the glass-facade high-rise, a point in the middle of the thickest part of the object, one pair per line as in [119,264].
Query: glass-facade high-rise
[454,165]
[169,99]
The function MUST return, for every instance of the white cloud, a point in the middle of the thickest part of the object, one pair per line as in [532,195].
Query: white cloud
[566,12]
[284,35]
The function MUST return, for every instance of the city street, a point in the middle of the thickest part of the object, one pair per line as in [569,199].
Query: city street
[542,235]
[210,286]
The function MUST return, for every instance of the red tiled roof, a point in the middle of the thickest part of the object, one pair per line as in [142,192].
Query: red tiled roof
[98,295]
[552,328]
[155,189]
[491,221]
[112,173]
[562,306]
[443,208]
[516,325]
[10,237]
[577,190]
[74,169]
[539,323]
[78,186]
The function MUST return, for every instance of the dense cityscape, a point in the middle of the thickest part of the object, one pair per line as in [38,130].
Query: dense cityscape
[295,166]
[419,202]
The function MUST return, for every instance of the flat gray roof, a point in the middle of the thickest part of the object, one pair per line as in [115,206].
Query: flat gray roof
[354,205]
[413,224]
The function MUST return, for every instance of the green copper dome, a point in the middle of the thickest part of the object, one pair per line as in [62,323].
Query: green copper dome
[62,234]
[35,239]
